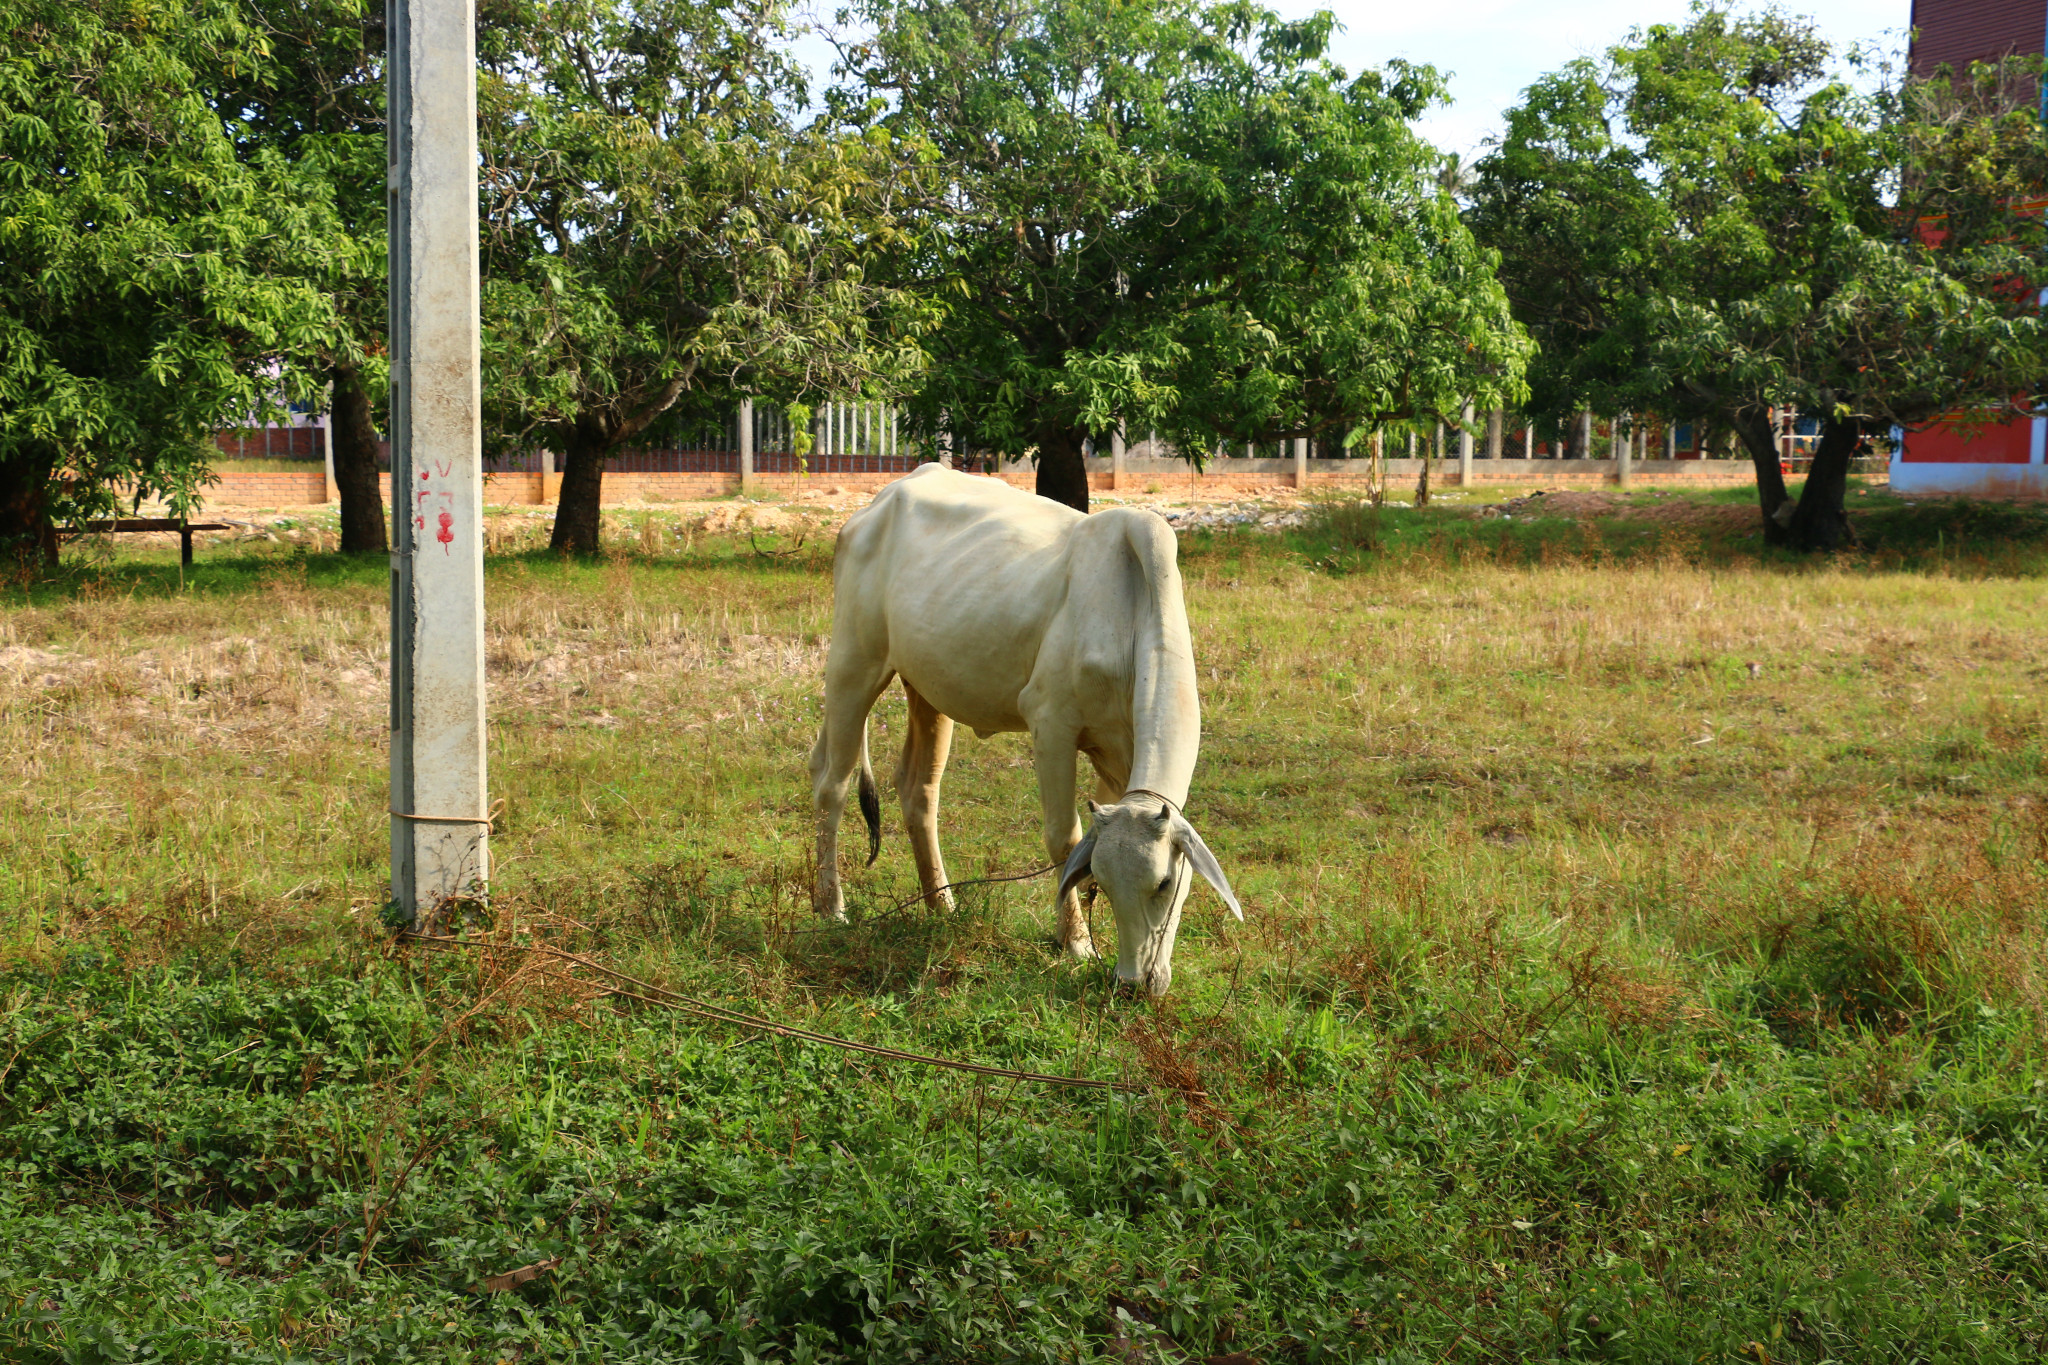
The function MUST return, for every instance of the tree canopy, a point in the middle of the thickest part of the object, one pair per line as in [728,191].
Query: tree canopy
[1712,222]
[655,220]
[1172,216]
[155,283]
[1036,221]
[318,105]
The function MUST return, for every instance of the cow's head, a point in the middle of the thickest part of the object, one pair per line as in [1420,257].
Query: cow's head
[1144,854]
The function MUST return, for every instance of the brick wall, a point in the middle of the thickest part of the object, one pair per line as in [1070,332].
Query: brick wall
[1225,477]
[291,488]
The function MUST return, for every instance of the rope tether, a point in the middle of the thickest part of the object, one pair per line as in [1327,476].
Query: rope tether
[652,994]
[488,821]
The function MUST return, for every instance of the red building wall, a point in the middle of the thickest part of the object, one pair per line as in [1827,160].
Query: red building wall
[1958,32]
[1954,33]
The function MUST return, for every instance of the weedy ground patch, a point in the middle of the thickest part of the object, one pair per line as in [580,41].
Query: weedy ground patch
[1643,961]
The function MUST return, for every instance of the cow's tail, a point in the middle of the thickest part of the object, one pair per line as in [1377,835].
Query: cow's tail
[870,801]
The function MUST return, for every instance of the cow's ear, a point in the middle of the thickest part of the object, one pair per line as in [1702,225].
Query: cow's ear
[1190,843]
[1079,865]
[1094,811]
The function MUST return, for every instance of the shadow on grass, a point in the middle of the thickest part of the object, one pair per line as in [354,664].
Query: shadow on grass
[1952,537]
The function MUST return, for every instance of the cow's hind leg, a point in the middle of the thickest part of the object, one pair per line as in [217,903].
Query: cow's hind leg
[842,748]
[925,747]
[1058,761]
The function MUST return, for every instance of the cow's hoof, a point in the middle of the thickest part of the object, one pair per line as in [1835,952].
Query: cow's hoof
[1082,948]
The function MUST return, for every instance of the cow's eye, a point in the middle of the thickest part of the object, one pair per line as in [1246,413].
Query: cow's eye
[1164,882]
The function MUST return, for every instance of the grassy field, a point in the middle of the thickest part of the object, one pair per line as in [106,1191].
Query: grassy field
[1643,961]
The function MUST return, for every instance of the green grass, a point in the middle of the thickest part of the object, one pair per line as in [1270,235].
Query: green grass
[1642,962]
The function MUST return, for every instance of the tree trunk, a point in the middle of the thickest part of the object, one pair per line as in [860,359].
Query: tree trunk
[363,526]
[26,531]
[1422,484]
[1819,522]
[1062,467]
[1759,435]
[576,514]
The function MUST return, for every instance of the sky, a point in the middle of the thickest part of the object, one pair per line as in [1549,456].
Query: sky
[1494,49]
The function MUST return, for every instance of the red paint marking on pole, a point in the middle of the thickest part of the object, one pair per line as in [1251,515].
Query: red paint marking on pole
[447,533]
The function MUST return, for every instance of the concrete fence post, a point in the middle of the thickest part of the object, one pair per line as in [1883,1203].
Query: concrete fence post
[333,493]
[1670,439]
[1585,450]
[1116,458]
[1465,448]
[1624,443]
[1496,434]
[1300,462]
[1529,440]
[747,446]
[440,804]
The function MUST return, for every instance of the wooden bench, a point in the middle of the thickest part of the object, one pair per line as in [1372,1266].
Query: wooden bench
[183,527]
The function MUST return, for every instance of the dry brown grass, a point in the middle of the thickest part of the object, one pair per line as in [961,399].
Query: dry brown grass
[1440,768]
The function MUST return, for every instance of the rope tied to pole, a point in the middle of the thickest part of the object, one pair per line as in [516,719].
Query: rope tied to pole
[488,820]
[649,993]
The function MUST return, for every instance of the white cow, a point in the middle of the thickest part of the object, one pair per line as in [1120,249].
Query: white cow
[1006,611]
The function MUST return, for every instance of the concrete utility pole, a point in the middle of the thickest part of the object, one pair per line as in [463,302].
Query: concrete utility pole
[746,445]
[1465,449]
[1300,462]
[1624,442]
[440,823]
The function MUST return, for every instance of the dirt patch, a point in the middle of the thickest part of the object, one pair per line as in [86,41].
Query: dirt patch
[1568,503]
[741,517]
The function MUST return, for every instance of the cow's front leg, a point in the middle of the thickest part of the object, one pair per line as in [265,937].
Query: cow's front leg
[1057,759]
[840,753]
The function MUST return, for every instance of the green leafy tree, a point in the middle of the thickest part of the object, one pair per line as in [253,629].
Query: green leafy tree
[153,281]
[1177,217]
[656,226]
[1321,277]
[1049,119]
[1709,225]
[318,105]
